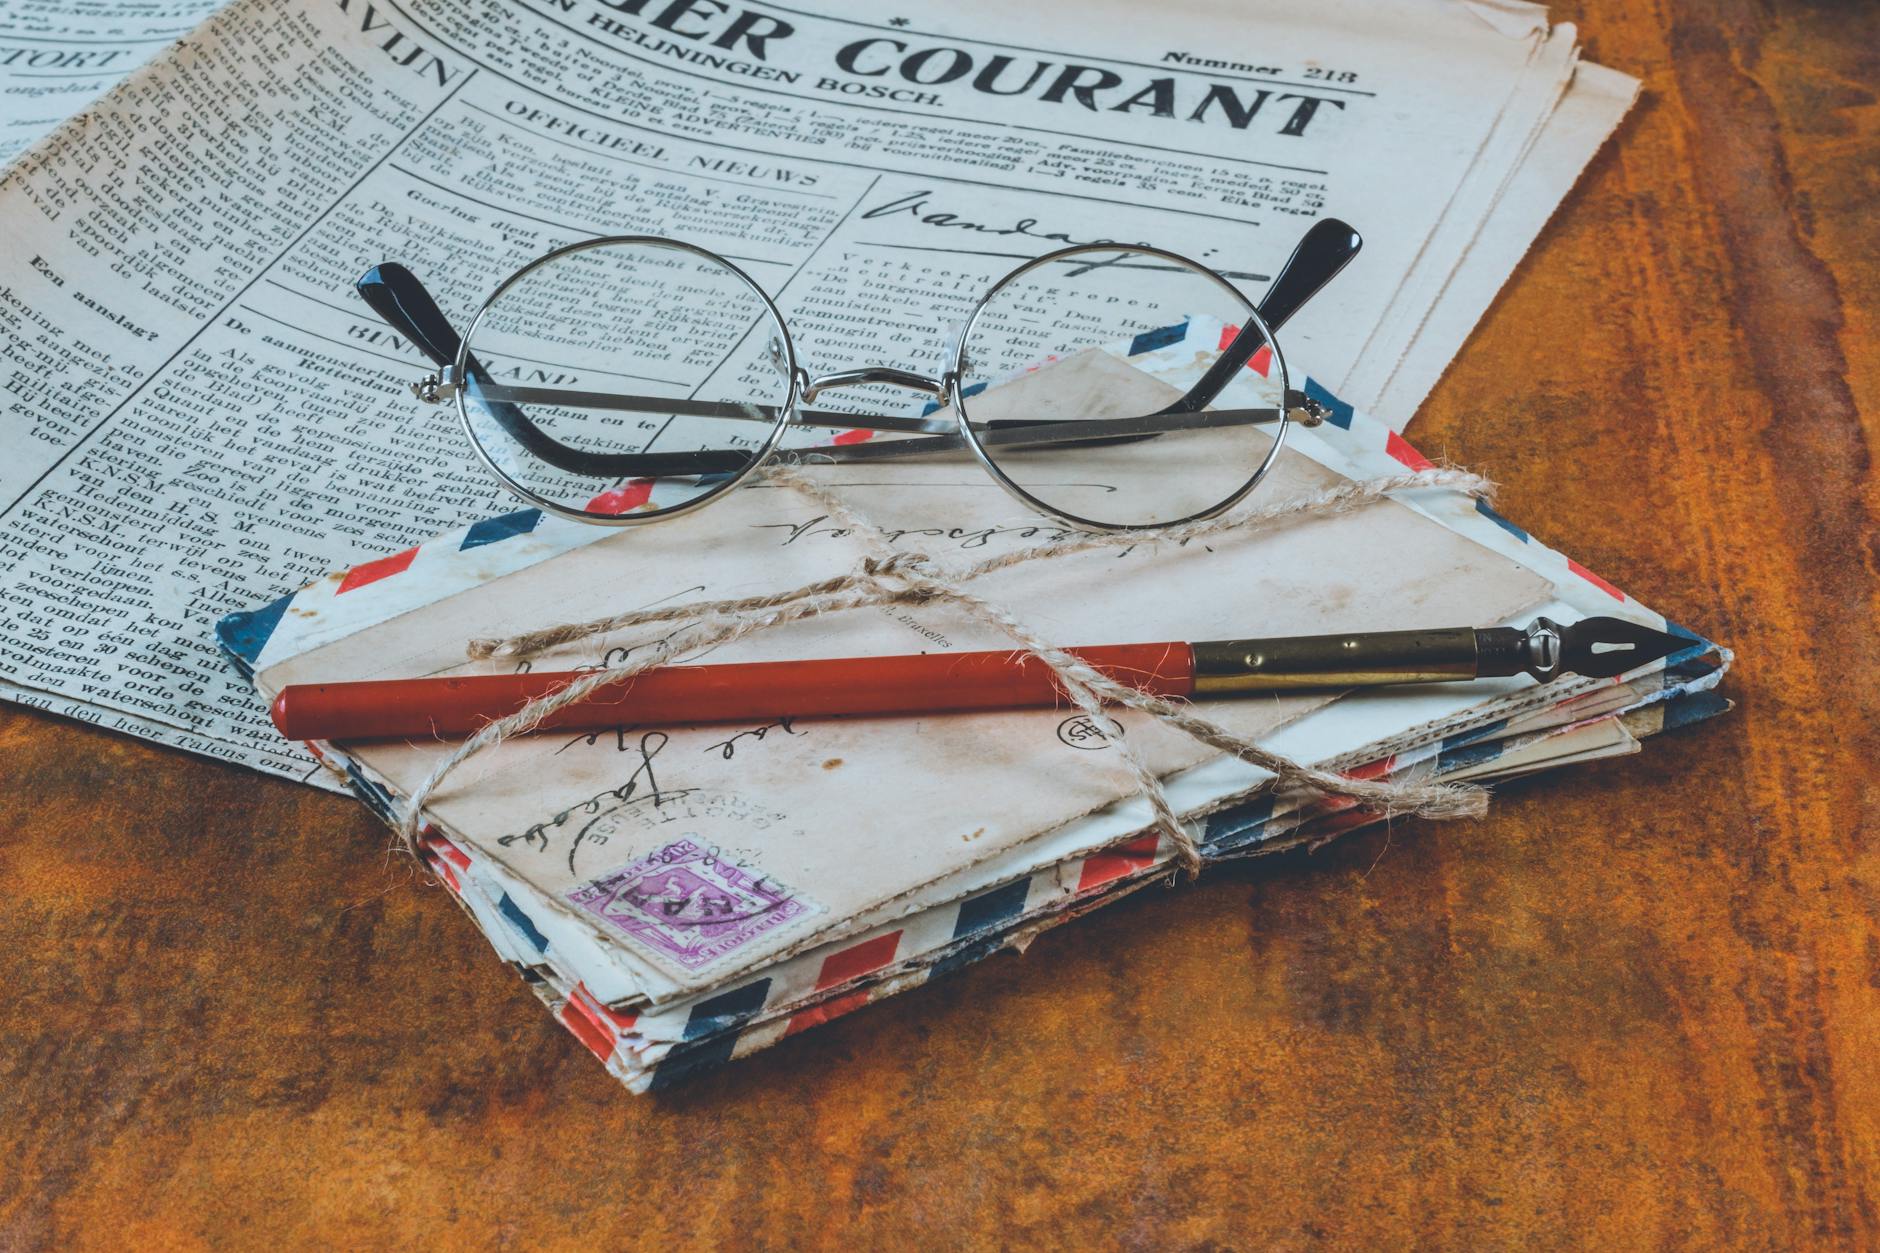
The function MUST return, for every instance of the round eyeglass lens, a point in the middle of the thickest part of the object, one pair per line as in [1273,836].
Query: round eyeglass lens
[1122,387]
[625,379]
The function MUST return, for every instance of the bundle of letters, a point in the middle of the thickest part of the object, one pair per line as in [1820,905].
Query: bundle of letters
[684,895]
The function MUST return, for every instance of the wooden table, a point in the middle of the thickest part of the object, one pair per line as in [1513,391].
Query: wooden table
[1639,1004]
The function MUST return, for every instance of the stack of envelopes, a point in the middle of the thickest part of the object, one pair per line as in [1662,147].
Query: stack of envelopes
[682,896]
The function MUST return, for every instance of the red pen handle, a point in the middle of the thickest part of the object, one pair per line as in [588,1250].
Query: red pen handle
[921,683]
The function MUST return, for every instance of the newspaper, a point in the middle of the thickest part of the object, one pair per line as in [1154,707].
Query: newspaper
[56,56]
[196,413]
[1588,111]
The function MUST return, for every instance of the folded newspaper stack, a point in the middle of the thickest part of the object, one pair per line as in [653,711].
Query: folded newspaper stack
[179,301]
[682,896]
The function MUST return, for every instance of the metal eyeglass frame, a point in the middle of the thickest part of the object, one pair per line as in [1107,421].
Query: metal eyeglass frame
[398,297]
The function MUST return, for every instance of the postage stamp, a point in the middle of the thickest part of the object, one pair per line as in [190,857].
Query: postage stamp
[691,904]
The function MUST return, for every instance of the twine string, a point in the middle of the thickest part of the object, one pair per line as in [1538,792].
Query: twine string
[890,576]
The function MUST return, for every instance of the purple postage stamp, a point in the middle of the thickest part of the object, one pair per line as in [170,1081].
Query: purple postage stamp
[690,904]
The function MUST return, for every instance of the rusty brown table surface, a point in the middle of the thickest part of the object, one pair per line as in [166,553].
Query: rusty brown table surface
[1638,1004]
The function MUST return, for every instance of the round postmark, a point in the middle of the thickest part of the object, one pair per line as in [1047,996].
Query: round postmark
[1081,732]
[722,820]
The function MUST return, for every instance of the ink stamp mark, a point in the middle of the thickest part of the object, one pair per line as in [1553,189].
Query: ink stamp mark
[690,903]
[1079,731]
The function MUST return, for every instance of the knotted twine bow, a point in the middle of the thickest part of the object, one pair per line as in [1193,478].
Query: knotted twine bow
[889,576]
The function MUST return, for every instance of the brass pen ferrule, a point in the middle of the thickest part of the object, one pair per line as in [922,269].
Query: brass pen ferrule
[1288,663]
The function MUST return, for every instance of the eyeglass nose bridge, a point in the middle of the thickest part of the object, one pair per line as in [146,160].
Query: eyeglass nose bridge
[907,379]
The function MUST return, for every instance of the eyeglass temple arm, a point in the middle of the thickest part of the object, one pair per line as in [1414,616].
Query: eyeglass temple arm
[397,296]
[400,298]
[1326,248]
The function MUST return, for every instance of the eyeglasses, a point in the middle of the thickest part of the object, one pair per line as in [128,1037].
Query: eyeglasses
[582,362]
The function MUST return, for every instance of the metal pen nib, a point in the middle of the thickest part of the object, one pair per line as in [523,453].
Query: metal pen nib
[1598,648]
